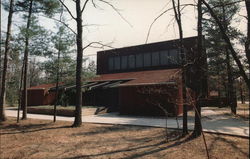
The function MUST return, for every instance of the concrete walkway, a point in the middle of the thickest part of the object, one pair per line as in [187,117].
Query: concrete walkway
[211,121]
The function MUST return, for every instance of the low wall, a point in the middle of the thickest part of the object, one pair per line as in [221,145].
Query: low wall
[47,111]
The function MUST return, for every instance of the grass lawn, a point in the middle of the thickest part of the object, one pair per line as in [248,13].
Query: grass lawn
[41,139]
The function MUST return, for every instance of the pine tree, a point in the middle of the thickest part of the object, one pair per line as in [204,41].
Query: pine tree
[6,54]
[218,50]
[48,7]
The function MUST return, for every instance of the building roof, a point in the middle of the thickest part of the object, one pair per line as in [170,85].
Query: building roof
[142,77]
[152,77]
[44,86]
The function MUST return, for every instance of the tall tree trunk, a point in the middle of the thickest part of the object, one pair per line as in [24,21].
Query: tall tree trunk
[231,96]
[228,42]
[78,109]
[1,50]
[6,53]
[247,44]
[177,13]
[57,76]
[26,61]
[20,93]
[199,64]
[242,96]
[58,69]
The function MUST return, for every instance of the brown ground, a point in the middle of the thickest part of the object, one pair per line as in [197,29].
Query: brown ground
[41,139]
[242,111]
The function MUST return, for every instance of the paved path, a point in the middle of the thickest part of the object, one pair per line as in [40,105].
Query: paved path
[211,121]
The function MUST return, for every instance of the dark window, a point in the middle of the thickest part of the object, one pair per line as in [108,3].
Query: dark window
[173,56]
[147,59]
[111,63]
[139,60]
[124,62]
[131,61]
[117,64]
[185,56]
[164,57]
[155,59]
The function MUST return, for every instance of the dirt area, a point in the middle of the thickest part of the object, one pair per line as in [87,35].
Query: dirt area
[41,139]
[242,111]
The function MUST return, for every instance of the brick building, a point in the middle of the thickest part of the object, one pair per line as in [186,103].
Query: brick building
[142,79]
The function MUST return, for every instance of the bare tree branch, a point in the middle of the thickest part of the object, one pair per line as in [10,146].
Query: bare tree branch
[160,15]
[84,5]
[70,13]
[117,11]
[244,16]
[226,4]
[203,136]
[93,3]
[151,25]
[88,25]
[60,21]
[101,46]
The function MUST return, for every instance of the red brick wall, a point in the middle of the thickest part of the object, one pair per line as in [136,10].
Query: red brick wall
[37,97]
[133,101]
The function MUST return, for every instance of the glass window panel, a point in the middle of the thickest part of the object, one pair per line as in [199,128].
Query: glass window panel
[131,61]
[117,64]
[124,62]
[147,59]
[185,56]
[164,57]
[111,63]
[155,59]
[139,60]
[173,56]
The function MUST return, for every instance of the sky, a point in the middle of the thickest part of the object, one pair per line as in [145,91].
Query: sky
[108,27]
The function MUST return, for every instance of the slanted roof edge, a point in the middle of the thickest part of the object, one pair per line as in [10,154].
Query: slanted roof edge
[142,84]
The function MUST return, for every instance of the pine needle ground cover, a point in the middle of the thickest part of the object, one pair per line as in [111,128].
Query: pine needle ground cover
[41,139]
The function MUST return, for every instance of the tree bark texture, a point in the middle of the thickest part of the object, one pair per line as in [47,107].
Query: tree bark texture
[0,46]
[26,61]
[78,108]
[177,13]
[247,44]
[199,64]
[6,53]
[57,77]
[231,95]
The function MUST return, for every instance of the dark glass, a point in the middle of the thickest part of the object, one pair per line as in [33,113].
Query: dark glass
[124,62]
[131,61]
[147,59]
[173,56]
[117,64]
[164,57]
[139,60]
[111,63]
[155,59]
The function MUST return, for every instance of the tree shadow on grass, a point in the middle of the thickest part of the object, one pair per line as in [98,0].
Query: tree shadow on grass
[230,143]
[153,148]
[110,128]
[20,129]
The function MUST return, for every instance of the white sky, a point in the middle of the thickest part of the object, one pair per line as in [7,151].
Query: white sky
[140,14]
